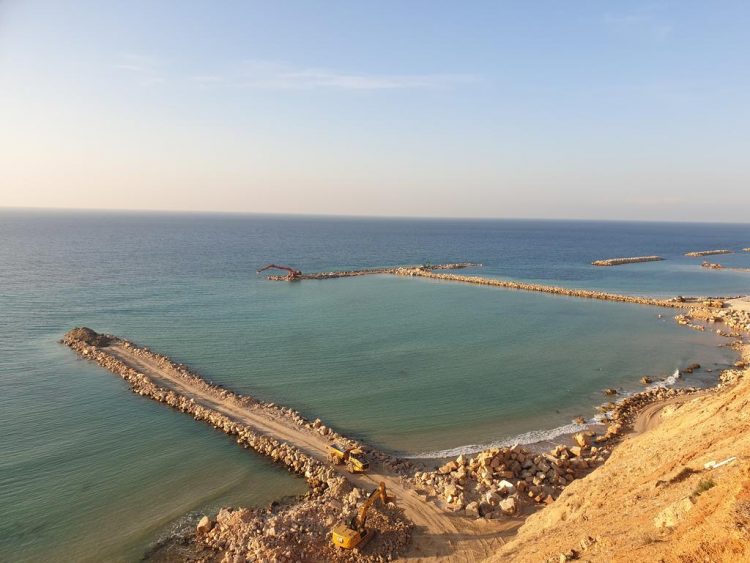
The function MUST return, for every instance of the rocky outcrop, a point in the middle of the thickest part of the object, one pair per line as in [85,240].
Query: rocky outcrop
[620,261]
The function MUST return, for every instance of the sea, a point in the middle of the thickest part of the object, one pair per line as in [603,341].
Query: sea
[421,368]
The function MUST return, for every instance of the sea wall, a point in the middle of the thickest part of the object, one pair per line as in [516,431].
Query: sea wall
[620,261]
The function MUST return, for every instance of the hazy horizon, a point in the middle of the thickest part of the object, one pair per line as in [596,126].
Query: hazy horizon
[580,112]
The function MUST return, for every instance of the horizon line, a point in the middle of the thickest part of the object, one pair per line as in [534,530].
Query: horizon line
[349,215]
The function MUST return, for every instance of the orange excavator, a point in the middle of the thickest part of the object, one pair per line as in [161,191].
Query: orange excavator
[291,276]
[355,534]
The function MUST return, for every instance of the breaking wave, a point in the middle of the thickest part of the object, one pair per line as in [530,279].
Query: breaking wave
[533,437]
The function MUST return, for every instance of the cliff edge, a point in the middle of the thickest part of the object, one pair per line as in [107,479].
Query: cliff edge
[664,494]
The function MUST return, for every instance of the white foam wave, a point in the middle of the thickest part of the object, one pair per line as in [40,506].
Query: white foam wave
[671,380]
[526,438]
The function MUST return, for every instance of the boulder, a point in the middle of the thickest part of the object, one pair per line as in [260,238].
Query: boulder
[582,439]
[646,380]
[204,526]
[448,467]
[506,487]
[472,510]
[509,505]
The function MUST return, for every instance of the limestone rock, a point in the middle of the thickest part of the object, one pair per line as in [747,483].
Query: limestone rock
[204,526]
[674,513]
[509,505]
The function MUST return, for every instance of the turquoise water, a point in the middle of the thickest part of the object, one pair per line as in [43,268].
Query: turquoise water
[89,471]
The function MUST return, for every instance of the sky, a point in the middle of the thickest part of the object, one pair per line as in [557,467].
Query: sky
[548,109]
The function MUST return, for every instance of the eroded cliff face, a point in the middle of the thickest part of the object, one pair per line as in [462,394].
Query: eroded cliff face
[657,498]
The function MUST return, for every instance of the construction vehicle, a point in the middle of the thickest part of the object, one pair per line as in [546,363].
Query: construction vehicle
[353,457]
[291,276]
[355,534]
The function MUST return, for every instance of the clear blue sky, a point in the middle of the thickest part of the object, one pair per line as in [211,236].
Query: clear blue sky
[422,108]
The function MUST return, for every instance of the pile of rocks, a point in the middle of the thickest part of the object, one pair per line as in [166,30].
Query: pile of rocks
[302,531]
[499,481]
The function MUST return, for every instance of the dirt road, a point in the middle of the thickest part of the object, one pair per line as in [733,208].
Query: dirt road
[438,534]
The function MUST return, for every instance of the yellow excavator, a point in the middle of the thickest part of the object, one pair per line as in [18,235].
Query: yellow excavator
[352,457]
[355,534]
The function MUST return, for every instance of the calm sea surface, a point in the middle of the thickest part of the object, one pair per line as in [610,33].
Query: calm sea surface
[90,472]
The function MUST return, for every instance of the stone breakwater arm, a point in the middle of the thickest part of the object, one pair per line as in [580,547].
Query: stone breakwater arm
[123,358]
[373,271]
[294,442]
[699,253]
[620,261]
[581,293]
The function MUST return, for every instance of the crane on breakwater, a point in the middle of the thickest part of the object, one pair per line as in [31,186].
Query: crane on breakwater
[291,276]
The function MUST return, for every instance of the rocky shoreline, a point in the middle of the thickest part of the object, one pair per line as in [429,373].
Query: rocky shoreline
[511,480]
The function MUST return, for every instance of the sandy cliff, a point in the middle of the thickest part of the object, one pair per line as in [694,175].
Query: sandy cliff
[654,499]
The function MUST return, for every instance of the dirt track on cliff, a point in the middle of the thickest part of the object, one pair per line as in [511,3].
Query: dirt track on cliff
[438,536]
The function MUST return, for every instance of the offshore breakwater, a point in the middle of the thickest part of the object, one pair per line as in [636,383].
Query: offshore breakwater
[430,272]
[620,261]
[297,275]
[699,253]
[674,303]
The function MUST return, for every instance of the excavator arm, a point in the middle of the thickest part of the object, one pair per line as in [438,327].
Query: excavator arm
[355,534]
[293,273]
[379,493]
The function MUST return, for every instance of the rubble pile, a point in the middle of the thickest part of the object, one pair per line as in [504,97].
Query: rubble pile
[301,531]
[500,481]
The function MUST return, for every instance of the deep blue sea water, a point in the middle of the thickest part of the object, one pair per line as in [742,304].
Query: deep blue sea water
[89,471]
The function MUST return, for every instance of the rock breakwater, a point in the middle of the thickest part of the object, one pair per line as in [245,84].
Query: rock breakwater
[698,253]
[676,303]
[297,532]
[620,261]
[373,271]
[92,346]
